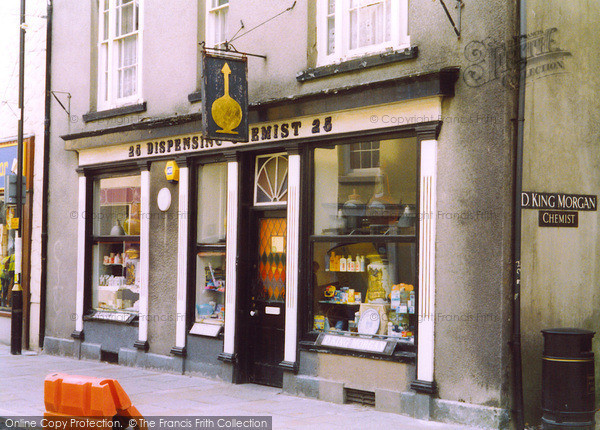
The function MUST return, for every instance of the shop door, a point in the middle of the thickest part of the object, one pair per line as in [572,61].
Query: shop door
[267,299]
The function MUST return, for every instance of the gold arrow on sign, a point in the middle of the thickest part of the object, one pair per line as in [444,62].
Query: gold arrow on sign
[226,112]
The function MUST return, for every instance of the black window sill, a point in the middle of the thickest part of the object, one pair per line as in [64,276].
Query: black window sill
[111,113]
[358,64]
[195,97]
[403,354]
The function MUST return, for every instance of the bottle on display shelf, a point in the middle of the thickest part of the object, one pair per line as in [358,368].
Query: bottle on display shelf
[350,264]
[343,264]
[332,262]
[411,302]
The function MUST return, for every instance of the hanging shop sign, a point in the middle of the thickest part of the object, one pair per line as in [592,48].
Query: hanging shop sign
[304,129]
[558,201]
[558,219]
[225,97]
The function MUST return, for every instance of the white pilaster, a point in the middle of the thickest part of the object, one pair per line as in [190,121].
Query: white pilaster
[230,258]
[292,259]
[81,251]
[427,227]
[144,255]
[182,255]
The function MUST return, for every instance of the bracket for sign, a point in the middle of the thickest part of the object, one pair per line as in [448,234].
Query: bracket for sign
[229,50]
[459,5]
[66,109]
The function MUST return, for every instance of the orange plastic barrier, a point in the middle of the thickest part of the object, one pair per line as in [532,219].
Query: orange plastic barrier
[81,402]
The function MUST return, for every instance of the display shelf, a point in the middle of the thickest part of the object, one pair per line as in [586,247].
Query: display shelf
[326,302]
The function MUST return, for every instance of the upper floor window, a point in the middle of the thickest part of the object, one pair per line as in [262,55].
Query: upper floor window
[119,63]
[349,28]
[216,23]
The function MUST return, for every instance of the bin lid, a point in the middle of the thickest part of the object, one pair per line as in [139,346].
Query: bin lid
[567,330]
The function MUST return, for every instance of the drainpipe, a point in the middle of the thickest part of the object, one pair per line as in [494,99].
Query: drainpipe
[518,180]
[45,174]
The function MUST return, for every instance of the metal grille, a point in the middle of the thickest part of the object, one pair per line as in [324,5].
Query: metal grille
[366,398]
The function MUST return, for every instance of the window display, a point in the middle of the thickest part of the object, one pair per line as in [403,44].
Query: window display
[364,241]
[210,247]
[116,244]
[7,256]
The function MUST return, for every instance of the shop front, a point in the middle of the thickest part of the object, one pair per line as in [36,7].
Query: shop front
[302,259]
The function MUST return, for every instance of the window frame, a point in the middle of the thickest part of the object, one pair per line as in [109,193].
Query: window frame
[210,21]
[399,37]
[404,351]
[107,51]
[93,239]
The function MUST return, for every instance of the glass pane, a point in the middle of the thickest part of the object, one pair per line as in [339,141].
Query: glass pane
[105,34]
[331,7]
[116,276]
[379,198]
[217,3]
[353,29]
[212,203]
[330,35]
[126,22]
[270,183]
[117,206]
[365,280]
[388,20]
[210,286]
[371,24]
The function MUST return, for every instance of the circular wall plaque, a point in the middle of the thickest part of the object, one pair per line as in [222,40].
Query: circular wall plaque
[164,199]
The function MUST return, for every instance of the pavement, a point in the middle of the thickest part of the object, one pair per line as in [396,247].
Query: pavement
[156,393]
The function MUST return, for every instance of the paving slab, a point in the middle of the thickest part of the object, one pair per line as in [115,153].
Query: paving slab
[166,394]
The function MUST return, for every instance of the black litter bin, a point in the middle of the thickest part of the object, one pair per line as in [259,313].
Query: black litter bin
[568,385]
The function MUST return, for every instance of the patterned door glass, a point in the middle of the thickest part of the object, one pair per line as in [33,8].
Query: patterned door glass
[271,263]
[271,177]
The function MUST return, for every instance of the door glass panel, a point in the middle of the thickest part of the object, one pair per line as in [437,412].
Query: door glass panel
[271,260]
[270,182]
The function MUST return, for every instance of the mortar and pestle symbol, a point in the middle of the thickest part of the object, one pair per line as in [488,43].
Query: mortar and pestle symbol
[226,112]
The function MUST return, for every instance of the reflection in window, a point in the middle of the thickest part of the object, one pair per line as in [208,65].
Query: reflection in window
[377,198]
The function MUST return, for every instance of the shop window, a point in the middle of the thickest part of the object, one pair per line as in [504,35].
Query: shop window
[348,28]
[7,255]
[119,68]
[363,244]
[116,244]
[270,180]
[210,249]
[216,23]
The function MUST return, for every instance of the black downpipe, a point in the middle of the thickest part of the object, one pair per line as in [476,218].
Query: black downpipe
[521,66]
[46,162]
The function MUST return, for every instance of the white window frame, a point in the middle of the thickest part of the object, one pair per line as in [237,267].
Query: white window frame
[399,38]
[107,61]
[210,21]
